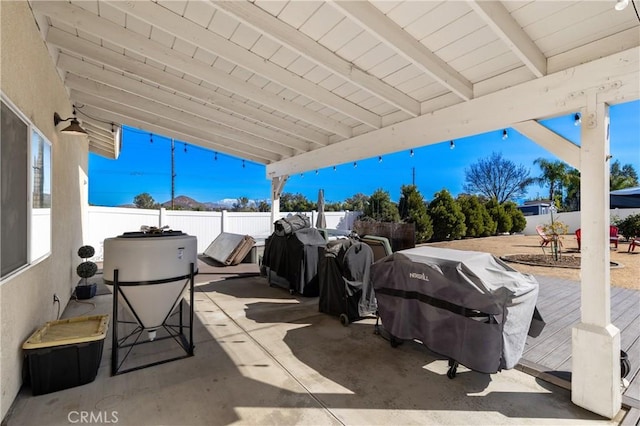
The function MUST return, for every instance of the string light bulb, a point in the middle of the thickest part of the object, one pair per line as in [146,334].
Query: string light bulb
[411,153]
[379,158]
[243,164]
[452,145]
[621,5]
[185,148]
[316,173]
[505,135]
[335,168]
[215,156]
[150,137]
[355,165]
[577,119]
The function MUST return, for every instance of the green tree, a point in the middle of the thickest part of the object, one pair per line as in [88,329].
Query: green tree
[412,209]
[518,221]
[241,205]
[333,207]
[497,177]
[499,215]
[381,208]
[572,197]
[554,175]
[447,217]
[357,203]
[477,219]
[622,177]
[264,206]
[144,201]
[295,203]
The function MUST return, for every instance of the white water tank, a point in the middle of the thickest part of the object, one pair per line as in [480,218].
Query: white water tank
[153,271]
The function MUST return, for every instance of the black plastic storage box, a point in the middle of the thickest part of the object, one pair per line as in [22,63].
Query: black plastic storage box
[65,353]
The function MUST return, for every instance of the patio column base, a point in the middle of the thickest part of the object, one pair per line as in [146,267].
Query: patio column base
[595,364]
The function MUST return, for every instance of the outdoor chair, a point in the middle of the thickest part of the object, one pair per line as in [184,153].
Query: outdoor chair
[613,236]
[635,242]
[545,238]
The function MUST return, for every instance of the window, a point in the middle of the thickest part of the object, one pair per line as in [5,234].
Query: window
[25,191]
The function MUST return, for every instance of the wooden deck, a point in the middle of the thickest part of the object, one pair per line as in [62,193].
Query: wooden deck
[559,304]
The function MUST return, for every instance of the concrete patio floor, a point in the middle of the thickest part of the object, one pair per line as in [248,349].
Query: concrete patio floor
[263,357]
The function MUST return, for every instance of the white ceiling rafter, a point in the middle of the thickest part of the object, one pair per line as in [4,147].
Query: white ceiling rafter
[130,100]
[369,17]
[278,141]
[167,126]
[299,42]
[187,30]
[132,67]
[501,22]
[120,36]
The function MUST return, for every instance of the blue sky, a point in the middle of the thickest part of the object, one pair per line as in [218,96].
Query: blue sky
[144,165]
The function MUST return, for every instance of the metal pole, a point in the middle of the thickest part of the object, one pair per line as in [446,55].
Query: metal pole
[413,176]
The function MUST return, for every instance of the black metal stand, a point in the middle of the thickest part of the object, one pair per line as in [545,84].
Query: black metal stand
[175,331]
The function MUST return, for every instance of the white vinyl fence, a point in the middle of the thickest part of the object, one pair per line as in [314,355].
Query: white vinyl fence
[107,222]
[571,219]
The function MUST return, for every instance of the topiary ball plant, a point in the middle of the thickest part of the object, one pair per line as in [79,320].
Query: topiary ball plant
[86,269]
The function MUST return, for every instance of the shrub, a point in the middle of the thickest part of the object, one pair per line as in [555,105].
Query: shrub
[518,221]
[413,210]
[477,219]
[629,227]
[381,207]
[503,220]
[447,217]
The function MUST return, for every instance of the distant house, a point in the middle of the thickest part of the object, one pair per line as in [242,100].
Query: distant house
[533,208]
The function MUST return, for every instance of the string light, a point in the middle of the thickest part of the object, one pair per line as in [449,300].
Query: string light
[185,148]
[411,153]
[505,135]
[379,158]
[577,119]
[243,164]
[316,173]
[355,165]
[151,137]
[215,156]
[334,168]
[452,145]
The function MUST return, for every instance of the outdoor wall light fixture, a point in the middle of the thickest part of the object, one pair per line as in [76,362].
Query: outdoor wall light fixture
[452,145]
[577,119]
[505,135]
[73,128]
[621,4]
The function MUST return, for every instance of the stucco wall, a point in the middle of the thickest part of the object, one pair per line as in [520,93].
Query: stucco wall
[29,79]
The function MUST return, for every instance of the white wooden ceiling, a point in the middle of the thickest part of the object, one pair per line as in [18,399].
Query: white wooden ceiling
[298,85]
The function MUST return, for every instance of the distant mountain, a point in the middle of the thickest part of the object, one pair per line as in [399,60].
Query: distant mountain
[187,203]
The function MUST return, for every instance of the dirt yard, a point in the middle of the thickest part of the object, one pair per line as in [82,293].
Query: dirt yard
[626,275]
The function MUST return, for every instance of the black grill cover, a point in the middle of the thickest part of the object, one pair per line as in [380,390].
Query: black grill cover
[468,306]
[293,259]
[344,276]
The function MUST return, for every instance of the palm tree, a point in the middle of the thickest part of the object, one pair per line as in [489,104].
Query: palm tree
[554,175]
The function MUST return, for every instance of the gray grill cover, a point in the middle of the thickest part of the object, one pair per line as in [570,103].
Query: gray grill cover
[468,306]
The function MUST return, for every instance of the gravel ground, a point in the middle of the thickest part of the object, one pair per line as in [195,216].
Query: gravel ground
[626,274]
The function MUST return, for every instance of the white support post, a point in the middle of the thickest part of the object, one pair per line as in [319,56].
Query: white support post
[595,382]
[223,220]
[277,184]
[162,217]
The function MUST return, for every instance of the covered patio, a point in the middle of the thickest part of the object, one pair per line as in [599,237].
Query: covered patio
[265,357]
[296,86]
